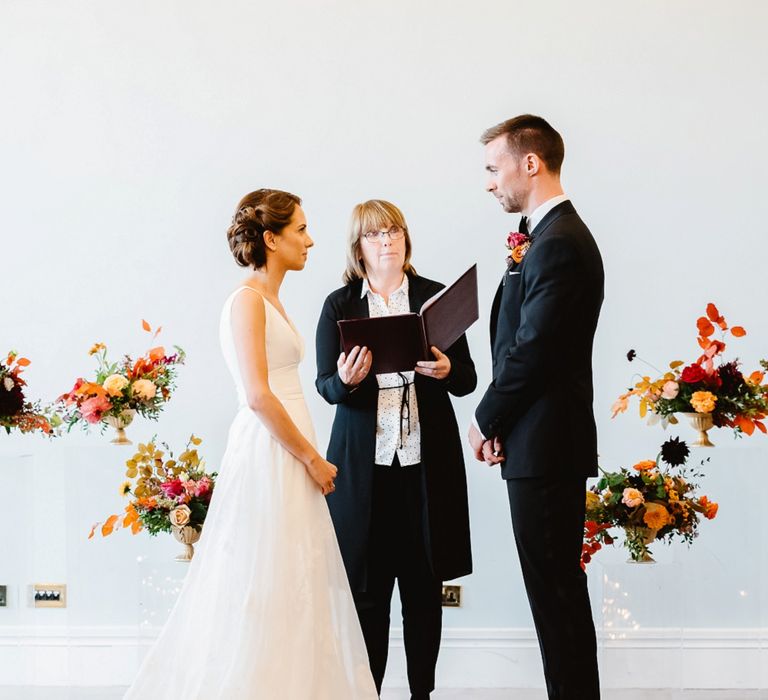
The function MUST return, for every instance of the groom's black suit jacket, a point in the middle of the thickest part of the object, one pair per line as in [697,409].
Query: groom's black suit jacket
[543,323]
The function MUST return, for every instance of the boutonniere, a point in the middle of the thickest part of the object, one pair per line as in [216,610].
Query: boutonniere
[517,245]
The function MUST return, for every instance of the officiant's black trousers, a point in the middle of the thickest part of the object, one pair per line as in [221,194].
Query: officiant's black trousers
[397,551]
[548,521]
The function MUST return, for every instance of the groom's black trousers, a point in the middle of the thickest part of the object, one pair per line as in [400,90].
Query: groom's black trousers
[548,521]
[397,551]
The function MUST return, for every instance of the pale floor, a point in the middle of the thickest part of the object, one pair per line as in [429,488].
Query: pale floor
[42,693]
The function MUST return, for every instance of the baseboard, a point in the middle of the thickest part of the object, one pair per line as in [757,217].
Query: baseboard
[469,658]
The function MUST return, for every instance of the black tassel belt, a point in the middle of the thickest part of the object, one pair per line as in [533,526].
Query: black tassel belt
[405,404]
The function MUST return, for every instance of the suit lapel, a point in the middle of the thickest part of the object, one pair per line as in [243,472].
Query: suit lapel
[555,213]
[495,309]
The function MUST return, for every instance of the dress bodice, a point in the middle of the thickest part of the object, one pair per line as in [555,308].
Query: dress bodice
[284,345]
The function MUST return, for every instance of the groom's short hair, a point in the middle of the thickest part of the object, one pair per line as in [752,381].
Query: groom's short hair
[530,134]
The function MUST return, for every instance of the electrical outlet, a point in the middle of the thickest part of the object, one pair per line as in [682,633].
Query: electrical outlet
[451,596]
[3,596]
[50,595]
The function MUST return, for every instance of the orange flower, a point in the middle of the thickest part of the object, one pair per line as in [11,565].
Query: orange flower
[656,516]
[645,465]
[703,401]
[710,508]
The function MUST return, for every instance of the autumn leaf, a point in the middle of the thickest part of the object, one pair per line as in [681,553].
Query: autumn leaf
[676,364]
[738,331]
[146,326]
[705,327]
[745,424]
[713,313]
[761,427]
[108,526]
[23,362]
[93,529]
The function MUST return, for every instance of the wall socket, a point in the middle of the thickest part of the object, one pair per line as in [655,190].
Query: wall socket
[451,596]
[50,595]
[3,596]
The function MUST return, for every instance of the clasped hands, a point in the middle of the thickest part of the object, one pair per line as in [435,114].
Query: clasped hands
[489,451]
[355,367]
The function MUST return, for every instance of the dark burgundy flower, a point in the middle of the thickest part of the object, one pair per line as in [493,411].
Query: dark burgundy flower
[674,452]
[631,355]
[11,402]
[731,378]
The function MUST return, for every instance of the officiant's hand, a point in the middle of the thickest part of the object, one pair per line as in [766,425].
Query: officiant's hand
[437,370]
[355,368]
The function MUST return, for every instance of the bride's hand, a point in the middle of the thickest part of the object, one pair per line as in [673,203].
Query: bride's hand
[323,473]
[355,368]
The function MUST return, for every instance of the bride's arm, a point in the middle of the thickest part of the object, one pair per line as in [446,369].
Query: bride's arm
[248,329]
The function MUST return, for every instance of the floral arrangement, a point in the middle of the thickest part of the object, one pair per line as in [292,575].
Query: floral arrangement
[165,492]
[15,410]
[707,386]
[517,245]
[655,500]
[122,388]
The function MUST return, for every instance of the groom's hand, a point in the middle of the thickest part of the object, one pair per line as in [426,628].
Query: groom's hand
[493,452]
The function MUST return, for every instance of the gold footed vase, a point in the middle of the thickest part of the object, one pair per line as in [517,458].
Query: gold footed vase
[187,535]
[120,423]
[641,537]
[701,422]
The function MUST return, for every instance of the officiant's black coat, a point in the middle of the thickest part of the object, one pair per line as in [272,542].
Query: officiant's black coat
[352,446]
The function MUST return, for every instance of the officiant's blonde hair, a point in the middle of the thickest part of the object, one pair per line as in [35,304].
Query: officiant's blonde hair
[373,215]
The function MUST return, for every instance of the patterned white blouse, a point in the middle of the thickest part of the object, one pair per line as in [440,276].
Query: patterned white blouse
[397,420]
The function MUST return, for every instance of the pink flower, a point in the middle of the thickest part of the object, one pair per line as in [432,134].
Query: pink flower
[172,489]
[632,497]
[190,485]
[92,409]
[203,487]
[670,390]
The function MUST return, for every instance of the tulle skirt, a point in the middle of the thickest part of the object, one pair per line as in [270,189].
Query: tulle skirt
[265,610]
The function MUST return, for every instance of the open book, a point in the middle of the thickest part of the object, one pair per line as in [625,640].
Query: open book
[398,342]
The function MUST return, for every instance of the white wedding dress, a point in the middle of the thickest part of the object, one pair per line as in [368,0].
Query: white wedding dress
[265,612]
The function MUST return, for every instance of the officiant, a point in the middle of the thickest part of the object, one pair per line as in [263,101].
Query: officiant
[400,505]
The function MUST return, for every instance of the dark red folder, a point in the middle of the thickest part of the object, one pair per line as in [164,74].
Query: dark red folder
[399,342]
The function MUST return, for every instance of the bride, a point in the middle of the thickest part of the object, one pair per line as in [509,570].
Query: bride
[265,611]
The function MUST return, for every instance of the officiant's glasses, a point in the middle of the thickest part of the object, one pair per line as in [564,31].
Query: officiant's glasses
[395,234]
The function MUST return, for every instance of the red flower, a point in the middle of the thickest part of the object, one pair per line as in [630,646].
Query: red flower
[692,374]
[515,239]
[172,489]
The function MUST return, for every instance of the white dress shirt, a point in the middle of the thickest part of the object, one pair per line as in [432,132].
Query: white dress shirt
[543,209]
[397,430]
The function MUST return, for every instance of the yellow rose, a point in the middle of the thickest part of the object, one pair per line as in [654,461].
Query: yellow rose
[632,497]
[179,516]
[656,516]
[114,384]
[703,401]
[144,389]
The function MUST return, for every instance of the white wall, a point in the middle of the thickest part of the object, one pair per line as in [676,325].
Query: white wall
[129,132]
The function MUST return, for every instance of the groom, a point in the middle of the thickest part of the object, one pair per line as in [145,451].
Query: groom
[535,418]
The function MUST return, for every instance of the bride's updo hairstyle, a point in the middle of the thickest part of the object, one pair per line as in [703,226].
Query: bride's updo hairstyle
[257,212]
